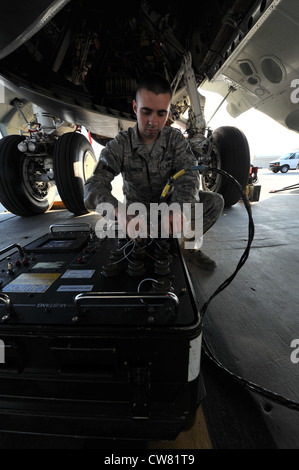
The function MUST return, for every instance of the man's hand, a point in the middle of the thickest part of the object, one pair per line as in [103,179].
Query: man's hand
[173,224]
[135,226]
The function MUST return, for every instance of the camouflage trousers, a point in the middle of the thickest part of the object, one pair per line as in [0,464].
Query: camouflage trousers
[212,209]
[213,205]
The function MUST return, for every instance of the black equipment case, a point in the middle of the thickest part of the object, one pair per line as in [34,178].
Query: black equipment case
[98,338]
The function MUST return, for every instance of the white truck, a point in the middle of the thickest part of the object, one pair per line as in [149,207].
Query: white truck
[290,161]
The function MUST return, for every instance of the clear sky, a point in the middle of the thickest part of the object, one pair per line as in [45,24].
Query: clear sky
[266,137]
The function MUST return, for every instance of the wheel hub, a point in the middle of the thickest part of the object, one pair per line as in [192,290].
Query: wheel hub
[33,175]
[211,179]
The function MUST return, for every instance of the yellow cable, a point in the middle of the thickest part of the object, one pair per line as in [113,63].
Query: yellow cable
[173,178]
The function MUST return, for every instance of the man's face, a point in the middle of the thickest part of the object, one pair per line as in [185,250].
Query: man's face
[152,112]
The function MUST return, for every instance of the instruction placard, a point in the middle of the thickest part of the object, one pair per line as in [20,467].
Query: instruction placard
[32,283]
[74,288]
[78,274]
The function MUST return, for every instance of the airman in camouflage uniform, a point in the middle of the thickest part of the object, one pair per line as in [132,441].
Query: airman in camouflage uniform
[145,171]
[147,156]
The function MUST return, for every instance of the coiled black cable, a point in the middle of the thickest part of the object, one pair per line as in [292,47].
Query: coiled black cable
[251,232]
[272,396]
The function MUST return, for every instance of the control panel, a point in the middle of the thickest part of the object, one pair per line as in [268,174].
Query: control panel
[69,276]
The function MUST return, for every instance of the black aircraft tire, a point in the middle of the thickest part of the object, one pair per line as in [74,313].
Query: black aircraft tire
[16,193]
[74,161]
[233,156]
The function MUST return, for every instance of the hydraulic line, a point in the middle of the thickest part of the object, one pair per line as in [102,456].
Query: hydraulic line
[231,90]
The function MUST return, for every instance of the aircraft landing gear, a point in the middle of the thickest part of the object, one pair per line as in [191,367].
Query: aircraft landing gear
[225,149]
[53,157]
[25,188]
[74,161]
[231,154]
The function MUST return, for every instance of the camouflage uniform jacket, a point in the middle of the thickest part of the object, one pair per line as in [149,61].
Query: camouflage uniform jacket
[145,173]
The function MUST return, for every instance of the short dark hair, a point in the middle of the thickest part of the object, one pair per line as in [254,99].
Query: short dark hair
[155,83]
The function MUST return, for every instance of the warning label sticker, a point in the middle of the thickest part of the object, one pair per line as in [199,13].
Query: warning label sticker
[78,274]
[32,283]
[49,265]
[68,288]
